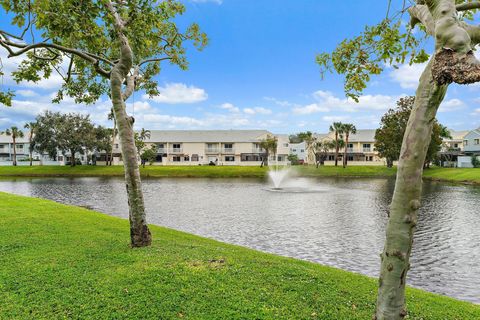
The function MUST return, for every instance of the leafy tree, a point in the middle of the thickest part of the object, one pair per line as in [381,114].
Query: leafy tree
[293,158]
[310,141]
[109,157]
[475,162]
[322,148]
[109,47]
[347,129]
[389,43]
[103,141]
[337,129]
[46,133]
[15,133]
[269,145]
[75,134]
[149,155]
[32,126]
[388,138]
[140,138]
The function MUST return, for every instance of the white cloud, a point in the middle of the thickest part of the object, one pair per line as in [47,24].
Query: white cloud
[334,118]
[451,105]
[26,93]
[257,110]
[476,112]
[311,108]
[282,103]
[175,93]
[326,102]
[230,107]
[407,75]
[11,64]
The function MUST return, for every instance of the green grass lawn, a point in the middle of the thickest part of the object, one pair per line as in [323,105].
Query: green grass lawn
[443,174]
[59,262]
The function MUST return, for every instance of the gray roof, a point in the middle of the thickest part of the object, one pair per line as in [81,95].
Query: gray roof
[8,139]
[458,135]
[363,135]
[206,135]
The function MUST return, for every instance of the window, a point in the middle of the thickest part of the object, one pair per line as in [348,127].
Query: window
[186,158]
[176,159]
[366,145]
[350,158]
[294,150]
[331,158]
[116,145]
[285,145]
[455,145]
[176,146]
[302,150]
[194,157]
[476,141]
[229,158]
[465,142]
[228,145]
[350,146]
[250,157]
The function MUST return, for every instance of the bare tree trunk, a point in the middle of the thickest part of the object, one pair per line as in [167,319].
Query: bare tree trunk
[14,152]
[336,149]
[113,139]
[345,154]
[73,161]
[406,198]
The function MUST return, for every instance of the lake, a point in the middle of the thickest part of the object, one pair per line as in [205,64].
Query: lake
[340,223]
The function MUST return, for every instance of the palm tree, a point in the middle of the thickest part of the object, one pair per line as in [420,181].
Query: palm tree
[348,129]
[310,142]
[111,116]
[269,145]
[33,127]
[15,133]
[322,148]
[337,128]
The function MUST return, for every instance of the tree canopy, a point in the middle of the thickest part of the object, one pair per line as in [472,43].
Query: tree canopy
[388,138]
[78,41]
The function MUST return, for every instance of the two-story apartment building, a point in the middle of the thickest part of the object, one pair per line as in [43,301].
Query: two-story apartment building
[203,147]
[360,149]
[471,147]
[6,148]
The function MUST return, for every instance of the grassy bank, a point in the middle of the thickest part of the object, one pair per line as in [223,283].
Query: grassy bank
[441,174]
[60,262]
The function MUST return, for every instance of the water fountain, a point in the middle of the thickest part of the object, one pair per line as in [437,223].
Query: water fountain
[284,180]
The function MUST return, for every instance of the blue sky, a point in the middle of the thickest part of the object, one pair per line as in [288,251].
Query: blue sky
[259,72]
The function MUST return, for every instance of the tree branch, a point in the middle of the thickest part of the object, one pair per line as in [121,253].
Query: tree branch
[81,54]
[468,6]
[154,60]
[421,14]
[131,80]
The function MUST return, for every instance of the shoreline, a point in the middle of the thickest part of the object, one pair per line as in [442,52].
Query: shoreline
[70,254]
[466,176]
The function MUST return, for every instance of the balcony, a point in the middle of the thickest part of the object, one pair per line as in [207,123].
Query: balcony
[228,150]
[212,150]
[175,150]
[257,150]
[367,149]
[162,150]
[349,150]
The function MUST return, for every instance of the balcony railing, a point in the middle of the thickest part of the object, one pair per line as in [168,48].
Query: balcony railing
[161,150]
[228,150]
[349,149]
[257,150]
[212,150]
[175,150]
[367,149]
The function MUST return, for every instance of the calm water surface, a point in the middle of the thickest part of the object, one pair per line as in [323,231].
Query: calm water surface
[342,224]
